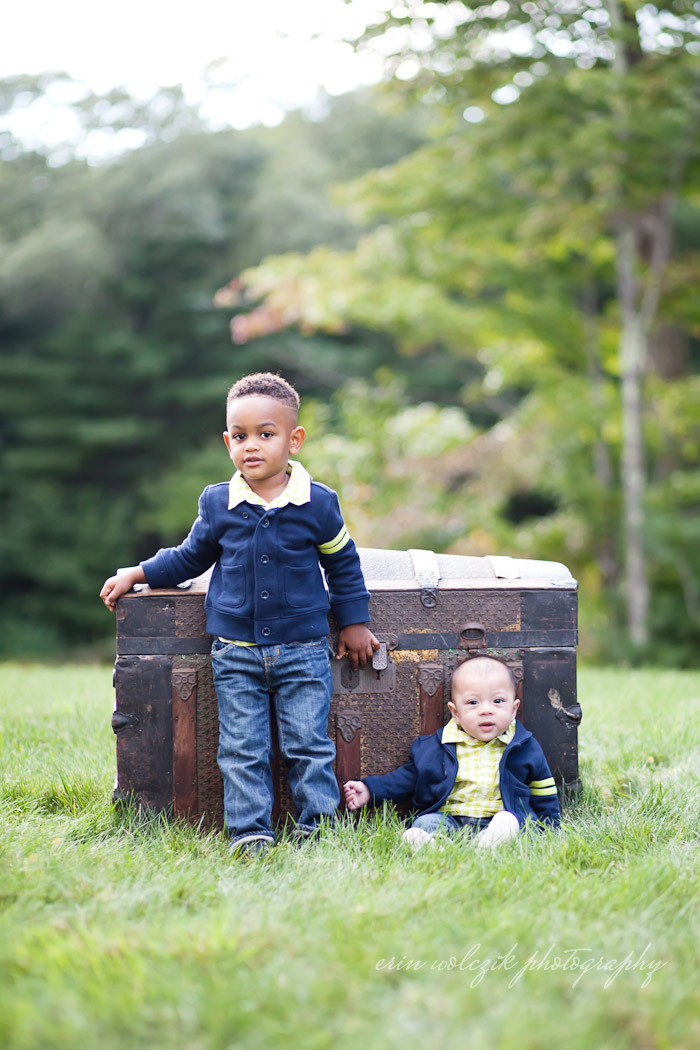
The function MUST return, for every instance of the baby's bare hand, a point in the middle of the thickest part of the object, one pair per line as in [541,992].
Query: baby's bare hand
[356,794]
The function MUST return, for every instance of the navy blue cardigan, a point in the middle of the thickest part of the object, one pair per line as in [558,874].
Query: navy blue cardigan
[267,585]
[428,777]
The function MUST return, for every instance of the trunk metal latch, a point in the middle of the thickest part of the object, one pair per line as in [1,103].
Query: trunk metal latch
[379,676]
[380,659]
[426,573]
[472,636]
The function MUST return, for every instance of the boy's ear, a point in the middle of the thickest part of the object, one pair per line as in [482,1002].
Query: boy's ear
[227,441]
[453,709]
[296,439]
[516,705]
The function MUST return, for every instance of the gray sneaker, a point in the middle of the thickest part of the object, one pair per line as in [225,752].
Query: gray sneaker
[250,845]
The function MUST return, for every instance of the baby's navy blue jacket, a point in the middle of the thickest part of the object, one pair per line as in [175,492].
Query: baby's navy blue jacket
[267,586]
[428,777]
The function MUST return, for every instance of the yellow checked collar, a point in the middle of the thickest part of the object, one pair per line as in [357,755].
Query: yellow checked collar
[454,734]
[297,490]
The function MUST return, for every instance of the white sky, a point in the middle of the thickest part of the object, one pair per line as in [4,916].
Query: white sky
[277,53]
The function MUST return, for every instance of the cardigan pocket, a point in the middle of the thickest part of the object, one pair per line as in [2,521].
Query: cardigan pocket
[233,587]
[301,586]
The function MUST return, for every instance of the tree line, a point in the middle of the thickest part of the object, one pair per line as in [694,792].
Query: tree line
[115,361]
[550,236]
[481,277]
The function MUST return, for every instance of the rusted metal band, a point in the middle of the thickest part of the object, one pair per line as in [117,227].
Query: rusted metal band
[167,646]
[545,639]
[549,639]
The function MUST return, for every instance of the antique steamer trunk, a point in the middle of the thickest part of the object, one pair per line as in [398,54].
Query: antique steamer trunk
[429,612]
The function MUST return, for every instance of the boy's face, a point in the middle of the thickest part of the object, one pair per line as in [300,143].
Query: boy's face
[261,434]
[483,699]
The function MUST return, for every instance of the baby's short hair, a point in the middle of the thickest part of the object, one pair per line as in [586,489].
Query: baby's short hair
[264,384]
[494,659]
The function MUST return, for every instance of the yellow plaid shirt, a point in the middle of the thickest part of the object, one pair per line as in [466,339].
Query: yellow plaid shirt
[476,791]
[297,491]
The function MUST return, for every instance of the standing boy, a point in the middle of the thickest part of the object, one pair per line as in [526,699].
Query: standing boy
[482,771]
[268,532]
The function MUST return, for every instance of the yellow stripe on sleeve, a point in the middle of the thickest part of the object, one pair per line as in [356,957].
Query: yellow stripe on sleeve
[337,544]
[542,783]
[543,791]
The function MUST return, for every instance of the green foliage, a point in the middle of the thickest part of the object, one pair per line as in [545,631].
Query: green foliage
[450,317]
[383,456]
[498,242]
[133,931]
[115,361]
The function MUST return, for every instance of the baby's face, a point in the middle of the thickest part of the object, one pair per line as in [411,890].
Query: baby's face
[483,699]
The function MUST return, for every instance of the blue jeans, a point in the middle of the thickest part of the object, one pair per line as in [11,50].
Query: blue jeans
[298,678]
[450,823]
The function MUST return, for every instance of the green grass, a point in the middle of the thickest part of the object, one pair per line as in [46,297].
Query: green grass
[119,931]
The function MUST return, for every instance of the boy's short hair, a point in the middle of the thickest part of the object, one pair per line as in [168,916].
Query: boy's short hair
[265,384]
[495,659]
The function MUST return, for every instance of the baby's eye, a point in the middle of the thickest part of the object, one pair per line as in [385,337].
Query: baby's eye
[499,700]
[267,434]
[238,437]
[473,703]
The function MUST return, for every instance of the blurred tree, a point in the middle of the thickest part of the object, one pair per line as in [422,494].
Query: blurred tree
[115,363]
[537,237]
